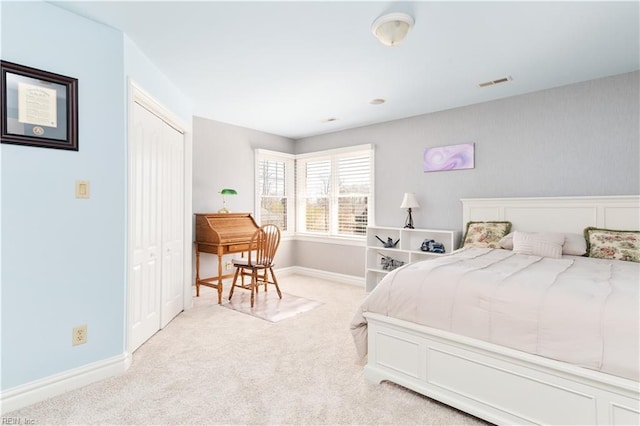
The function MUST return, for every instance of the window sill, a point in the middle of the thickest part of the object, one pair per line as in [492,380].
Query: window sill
[324,239]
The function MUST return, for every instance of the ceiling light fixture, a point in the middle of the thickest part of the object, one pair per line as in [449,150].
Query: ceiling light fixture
[392,28]
[377,101]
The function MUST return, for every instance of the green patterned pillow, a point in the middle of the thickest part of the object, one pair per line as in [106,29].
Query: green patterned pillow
[485,234]
[612,244]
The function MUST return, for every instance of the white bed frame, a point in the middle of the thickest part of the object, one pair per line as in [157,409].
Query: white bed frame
[498,384]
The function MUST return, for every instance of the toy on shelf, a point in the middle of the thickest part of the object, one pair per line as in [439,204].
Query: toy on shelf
[389,263]
[432,247]
[389,243]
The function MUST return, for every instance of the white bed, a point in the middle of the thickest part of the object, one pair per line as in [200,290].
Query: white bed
[494,382]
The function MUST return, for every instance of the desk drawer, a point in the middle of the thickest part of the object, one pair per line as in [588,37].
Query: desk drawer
[234,248]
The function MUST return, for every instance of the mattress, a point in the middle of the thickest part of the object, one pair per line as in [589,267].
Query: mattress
[579,310]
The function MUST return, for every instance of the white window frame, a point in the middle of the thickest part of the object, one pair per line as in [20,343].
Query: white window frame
[295,203]
[290,192]
[334,155]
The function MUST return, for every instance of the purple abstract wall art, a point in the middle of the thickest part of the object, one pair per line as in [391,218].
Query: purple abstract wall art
[451,157]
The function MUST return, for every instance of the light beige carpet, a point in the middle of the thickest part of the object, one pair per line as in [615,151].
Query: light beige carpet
[212,365]
[268,306]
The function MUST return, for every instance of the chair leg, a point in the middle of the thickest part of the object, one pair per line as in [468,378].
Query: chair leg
[275,281]
[235,278]
[254,285]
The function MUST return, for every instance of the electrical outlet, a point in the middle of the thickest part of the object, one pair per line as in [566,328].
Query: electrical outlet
[228,265]
[79,335]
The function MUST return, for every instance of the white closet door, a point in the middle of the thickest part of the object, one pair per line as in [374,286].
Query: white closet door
[172,195]
[156,224]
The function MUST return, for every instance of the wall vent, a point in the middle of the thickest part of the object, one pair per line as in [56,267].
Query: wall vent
[494,82]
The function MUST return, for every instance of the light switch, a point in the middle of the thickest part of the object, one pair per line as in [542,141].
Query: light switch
[82,189]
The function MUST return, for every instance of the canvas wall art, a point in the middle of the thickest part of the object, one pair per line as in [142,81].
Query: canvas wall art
[451,157]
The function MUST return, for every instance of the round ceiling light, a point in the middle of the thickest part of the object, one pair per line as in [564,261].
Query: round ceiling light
[377,101]
[392,28]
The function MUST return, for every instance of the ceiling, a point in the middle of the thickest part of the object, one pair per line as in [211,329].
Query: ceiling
[287,67]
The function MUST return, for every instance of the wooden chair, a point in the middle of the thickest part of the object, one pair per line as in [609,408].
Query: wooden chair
[259,262]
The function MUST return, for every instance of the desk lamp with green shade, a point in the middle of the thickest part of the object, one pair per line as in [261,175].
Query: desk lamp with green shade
[226,191]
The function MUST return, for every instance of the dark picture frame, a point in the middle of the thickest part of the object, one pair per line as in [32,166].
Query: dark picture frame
[38,108]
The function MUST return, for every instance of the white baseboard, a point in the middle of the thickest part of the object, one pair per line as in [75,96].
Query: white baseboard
[325,275]
[315,273]
[39,390]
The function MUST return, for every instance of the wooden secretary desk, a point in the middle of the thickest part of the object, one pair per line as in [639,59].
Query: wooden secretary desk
[221,234]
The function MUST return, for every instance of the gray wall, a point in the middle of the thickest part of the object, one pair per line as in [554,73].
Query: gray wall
[340,259]
[581,139]
[223,157]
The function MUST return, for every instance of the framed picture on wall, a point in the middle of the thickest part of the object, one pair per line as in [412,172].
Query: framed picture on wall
[38,108]
[451,157]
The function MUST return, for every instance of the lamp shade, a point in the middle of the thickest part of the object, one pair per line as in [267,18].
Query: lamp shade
[409,201]
[392,28]
[226,191]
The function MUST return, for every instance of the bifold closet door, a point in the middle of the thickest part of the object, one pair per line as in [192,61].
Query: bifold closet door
[172,202]
[156,182]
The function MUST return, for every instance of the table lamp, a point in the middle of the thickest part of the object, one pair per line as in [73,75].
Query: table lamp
[226,191]
[409,202]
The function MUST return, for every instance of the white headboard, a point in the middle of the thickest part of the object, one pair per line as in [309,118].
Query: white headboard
[556,214]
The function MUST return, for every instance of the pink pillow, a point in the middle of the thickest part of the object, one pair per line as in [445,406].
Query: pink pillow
[574,244]
[538,244]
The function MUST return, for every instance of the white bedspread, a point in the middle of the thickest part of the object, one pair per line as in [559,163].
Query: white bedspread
[579,310]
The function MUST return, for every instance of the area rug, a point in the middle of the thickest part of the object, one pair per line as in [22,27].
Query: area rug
[268,306]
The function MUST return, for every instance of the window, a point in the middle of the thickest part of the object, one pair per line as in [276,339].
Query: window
[334,191]
[275,189]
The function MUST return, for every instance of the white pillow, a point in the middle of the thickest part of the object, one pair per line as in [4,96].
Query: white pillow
[574,244]
[538,244]
[506,242]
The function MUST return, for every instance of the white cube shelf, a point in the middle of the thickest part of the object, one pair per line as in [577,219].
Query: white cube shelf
[407,250]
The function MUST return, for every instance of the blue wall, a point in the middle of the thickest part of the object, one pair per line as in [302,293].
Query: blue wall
[139,69]
[63,259]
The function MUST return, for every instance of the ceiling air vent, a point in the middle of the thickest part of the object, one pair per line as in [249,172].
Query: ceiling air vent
[494,82]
